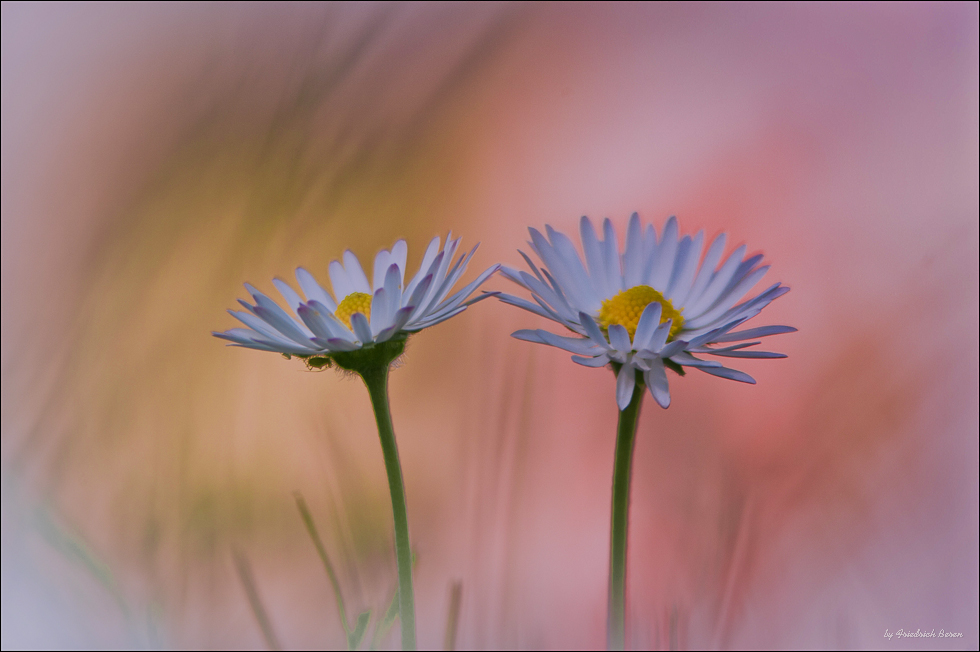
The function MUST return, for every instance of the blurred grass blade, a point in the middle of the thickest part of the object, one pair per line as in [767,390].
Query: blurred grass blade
[304,512]
[248,582]
[73,547]
[384,625]
[452,621]
[354,637]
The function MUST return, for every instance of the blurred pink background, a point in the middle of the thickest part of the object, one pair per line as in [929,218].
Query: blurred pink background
[154,157]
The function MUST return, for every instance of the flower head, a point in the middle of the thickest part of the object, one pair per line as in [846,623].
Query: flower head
[650,307]
[358,315]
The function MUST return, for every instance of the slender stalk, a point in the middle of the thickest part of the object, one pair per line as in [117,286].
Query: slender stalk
[376,380]
[304,512]
[619,527]
[258,609]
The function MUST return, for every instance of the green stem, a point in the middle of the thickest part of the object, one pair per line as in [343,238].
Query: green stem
[377,384]
[619,528]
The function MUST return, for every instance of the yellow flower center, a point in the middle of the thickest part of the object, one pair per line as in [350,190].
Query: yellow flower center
[626,307]
[353,302]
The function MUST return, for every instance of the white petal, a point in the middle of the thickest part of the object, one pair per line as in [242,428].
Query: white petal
[380,317]
[728,300]
[688,360]
[707,270]
[648,323]
[276,317]
[393,288]
[430,254]
[337,328]
[730,374]
[381,263]
[656,380]
[289,294]
[598,361]
[258,325]
[401,318]
[592,330]
[748,354]
[354,272]
[619,338]
[594,258]
[313,290]
[625,382]
[341,283]
[633,256]
[315,322]
[672,348]
[399,255]
[664,264]
[566,266]
[680,285]
[717,284]
[610,256]
[579,345]
[527,305]
[362,329]
[660,335]
[338,344]
[752,333]
[284,325]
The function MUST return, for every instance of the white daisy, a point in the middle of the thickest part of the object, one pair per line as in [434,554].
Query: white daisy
[654,305]
[358,314]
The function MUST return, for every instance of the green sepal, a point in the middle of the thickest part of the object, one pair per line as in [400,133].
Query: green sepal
[673,366]
[372,357]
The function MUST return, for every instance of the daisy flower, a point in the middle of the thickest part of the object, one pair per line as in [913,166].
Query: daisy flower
[654,306]
[358,314]
[362,327]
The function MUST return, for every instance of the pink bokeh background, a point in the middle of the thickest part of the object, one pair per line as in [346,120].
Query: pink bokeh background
[154,157]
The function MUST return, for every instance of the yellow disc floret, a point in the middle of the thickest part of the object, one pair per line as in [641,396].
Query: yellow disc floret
[353,302]
[626,307]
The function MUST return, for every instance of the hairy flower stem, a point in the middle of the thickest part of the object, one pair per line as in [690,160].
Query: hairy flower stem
[376,380]
[619,528]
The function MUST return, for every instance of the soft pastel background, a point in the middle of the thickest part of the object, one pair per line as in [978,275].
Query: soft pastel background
[156,156]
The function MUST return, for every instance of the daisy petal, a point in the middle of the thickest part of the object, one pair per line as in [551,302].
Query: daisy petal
[381,263]
[354,272]
[578,345]
[401,317]
[599,361]
[619,338]
[341,283]
[393,288]
[660,335]
[594,258]
[752,333]
[610,256]
[399,256]
[656,380]
[362,329]
[730,374]
[648,323]
[633,256]
[715,250]
[313,290]
[430,254]
[379,312]
[593,331]
[625,382]
[289,294]
[663,266]
[285,326]
[748,354]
